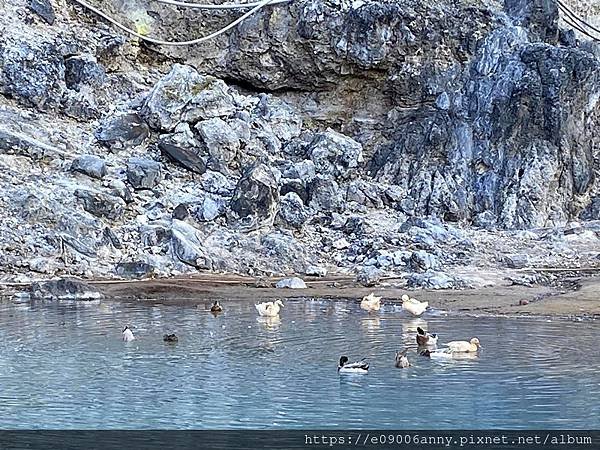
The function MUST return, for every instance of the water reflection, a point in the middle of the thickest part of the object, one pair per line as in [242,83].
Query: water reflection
[66,366]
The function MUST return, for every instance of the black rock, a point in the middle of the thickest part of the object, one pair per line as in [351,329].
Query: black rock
[83,70]
[127,129]
[185,157]
[255,198]
[181,212]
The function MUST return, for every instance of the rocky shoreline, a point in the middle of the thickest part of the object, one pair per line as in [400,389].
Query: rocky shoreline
[447,145]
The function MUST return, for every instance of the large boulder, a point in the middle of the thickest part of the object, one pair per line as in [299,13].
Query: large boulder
[32,71]
[187,246]
[184,94]
[64,289]
[335,154]
[254,202]
[135,269]
[292,212]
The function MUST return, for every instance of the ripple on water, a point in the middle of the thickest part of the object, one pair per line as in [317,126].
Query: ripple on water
[66,366]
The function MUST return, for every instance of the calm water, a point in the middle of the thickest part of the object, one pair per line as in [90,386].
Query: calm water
[65,366]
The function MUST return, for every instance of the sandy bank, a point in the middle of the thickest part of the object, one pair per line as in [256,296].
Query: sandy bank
[572,297]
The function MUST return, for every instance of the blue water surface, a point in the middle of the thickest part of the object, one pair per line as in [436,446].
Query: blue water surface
[65,366]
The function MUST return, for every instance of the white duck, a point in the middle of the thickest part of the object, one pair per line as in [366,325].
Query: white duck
[269,309]
[356,367]
[128,334]
[463,346]
[413,306]
[371,303]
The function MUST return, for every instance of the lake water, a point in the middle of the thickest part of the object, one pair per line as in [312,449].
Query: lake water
[66,366]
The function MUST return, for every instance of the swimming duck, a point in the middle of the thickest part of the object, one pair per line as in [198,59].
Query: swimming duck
[424,339]
[436,354]
[170,338]
[356,367]
[371,303]
[413,306]
[402,361]
[216,307]
[463,346]
[128,334]
[269,309]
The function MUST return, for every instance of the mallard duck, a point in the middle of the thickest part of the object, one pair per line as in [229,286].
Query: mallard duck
[463,346]
[269,309]
[216,307]
[424,339]
[402,361]
[356,367]
[413,306]
[128,334]
[170,338]
[436,354]
[371,303]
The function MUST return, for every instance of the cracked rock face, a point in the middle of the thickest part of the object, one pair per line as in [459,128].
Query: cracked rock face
[364,138]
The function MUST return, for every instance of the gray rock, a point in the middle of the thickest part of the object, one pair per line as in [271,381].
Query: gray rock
[44,9]
[100,204]
[254,202]
[124,129]
[64,289]
[291,283]
[292,212]
[335,154]
[221,140]
[325,194]
[516,261]
[369,276]
[431,279]
[210,208]
[136,269]
[143,173]
[91,165]
[187,246]
[184,94]
[316,271]
[216,183]
[120,189]
[421,261]
[32,71]
[592,210]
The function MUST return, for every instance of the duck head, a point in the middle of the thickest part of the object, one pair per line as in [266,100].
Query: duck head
[405,298]
[475,342]
[343,360]
[126,328]
[216,303]
[279,302]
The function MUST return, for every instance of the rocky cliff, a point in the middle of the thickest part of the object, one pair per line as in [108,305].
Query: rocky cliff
[433,141]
